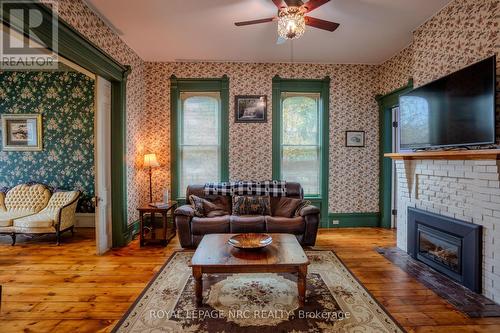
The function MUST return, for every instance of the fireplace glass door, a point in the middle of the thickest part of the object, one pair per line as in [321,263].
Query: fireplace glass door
[440,248]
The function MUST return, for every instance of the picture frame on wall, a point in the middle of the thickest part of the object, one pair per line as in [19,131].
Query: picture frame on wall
[250,109]
[21,132]
[355,138]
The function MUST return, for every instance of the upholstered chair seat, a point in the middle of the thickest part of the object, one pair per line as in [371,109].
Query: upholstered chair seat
[33,209]
[59,210]
[7,218]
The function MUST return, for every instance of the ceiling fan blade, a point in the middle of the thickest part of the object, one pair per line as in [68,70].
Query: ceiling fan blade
[280,40]
[321,24]
[294,3]
[265,20]
[279,3]
[313,4]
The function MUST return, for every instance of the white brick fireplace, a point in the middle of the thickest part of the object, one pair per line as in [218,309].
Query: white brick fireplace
[467,190]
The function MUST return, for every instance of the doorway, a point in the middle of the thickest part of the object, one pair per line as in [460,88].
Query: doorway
[102,201]
[389,142]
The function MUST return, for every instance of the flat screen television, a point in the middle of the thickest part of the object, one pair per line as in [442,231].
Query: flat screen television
[453,111]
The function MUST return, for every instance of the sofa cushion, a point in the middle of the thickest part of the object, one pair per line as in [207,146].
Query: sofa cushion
[209,207]
[7,218]
[249,223]
[303,204]
[210,225]
[286,207]
[251,205]
[40,220]
[293,225]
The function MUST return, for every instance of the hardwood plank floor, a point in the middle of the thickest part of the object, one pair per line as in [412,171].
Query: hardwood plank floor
[67,288]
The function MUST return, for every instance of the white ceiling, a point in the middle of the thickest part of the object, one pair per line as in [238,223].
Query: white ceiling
[370,31]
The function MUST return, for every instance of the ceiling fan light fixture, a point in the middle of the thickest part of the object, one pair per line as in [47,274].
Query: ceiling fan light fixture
[291,23]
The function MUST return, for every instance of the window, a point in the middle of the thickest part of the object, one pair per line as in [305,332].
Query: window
[199,132]
[300,140]
[199,141]
[300,137]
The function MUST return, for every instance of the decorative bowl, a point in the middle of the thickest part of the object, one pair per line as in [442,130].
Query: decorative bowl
[250,241]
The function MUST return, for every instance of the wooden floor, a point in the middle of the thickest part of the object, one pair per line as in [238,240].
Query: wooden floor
[49,288]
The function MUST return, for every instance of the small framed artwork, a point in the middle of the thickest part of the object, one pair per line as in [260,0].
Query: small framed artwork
[355,138]
[22,132]
[250,109]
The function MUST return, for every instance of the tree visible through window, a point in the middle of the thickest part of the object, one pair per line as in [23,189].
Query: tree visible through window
[301,140]
[199,139]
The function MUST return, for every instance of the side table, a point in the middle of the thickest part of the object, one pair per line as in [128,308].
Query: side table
[157,236]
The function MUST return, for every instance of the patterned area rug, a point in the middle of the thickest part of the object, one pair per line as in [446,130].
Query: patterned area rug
[335,302]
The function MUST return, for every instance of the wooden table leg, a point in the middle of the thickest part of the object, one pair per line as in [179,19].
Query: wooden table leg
[301,284]
[173,220]
[198,284]
[153,229]
[141,229]
[165,224]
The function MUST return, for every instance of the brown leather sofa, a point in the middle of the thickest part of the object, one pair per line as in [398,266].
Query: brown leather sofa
[191,229]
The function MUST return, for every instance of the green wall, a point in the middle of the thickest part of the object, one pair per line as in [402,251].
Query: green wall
[66,102]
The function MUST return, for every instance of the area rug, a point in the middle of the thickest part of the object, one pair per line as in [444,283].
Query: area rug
[335,302]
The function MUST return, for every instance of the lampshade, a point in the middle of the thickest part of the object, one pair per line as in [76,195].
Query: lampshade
[150,161]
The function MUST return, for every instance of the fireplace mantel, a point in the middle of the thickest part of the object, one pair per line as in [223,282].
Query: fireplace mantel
[480,154]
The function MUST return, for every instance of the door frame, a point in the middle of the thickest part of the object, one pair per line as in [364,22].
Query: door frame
[73,46]
[386,103]
[102,153]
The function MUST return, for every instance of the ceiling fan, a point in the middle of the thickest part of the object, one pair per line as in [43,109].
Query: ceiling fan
[292,19]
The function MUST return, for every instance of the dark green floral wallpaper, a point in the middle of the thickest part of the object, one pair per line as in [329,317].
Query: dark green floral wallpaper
[66,102]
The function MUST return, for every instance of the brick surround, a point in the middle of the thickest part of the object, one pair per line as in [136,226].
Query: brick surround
[465,190]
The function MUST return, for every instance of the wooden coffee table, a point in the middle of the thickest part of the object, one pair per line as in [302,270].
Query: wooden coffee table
[215,255]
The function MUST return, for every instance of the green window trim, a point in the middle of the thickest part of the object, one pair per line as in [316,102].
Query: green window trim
[321,86]
[177,86]
[386,103]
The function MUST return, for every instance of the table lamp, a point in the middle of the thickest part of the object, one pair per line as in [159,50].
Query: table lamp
[150,162]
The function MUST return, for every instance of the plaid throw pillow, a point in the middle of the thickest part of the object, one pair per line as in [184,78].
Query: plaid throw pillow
[251,205]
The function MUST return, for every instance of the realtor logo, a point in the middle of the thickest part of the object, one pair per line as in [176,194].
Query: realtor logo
[28,38]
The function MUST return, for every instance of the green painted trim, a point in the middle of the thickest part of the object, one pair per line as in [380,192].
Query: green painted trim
[308,86]
[349,220]
[75,47]
[206,84]
[386,103]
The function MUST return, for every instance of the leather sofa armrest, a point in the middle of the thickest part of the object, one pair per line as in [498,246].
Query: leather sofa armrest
[309,210]
[182,220]
[311,216]
[185,210]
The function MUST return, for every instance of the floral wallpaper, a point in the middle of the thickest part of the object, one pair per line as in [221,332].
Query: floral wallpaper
[66,102]
[463,32]
[353,186]
[454,37]
[81,18]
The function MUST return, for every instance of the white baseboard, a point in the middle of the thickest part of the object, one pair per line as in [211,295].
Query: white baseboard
[85,220]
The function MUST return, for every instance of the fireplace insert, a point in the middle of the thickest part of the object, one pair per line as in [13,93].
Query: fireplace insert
[450,246]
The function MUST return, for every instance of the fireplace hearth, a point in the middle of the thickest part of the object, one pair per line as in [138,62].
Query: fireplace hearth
[450,246]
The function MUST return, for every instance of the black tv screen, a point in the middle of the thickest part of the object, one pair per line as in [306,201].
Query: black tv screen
[456,110]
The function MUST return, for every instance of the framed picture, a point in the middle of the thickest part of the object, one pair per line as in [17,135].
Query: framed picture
[250,108]
[22,132]
[355,138]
